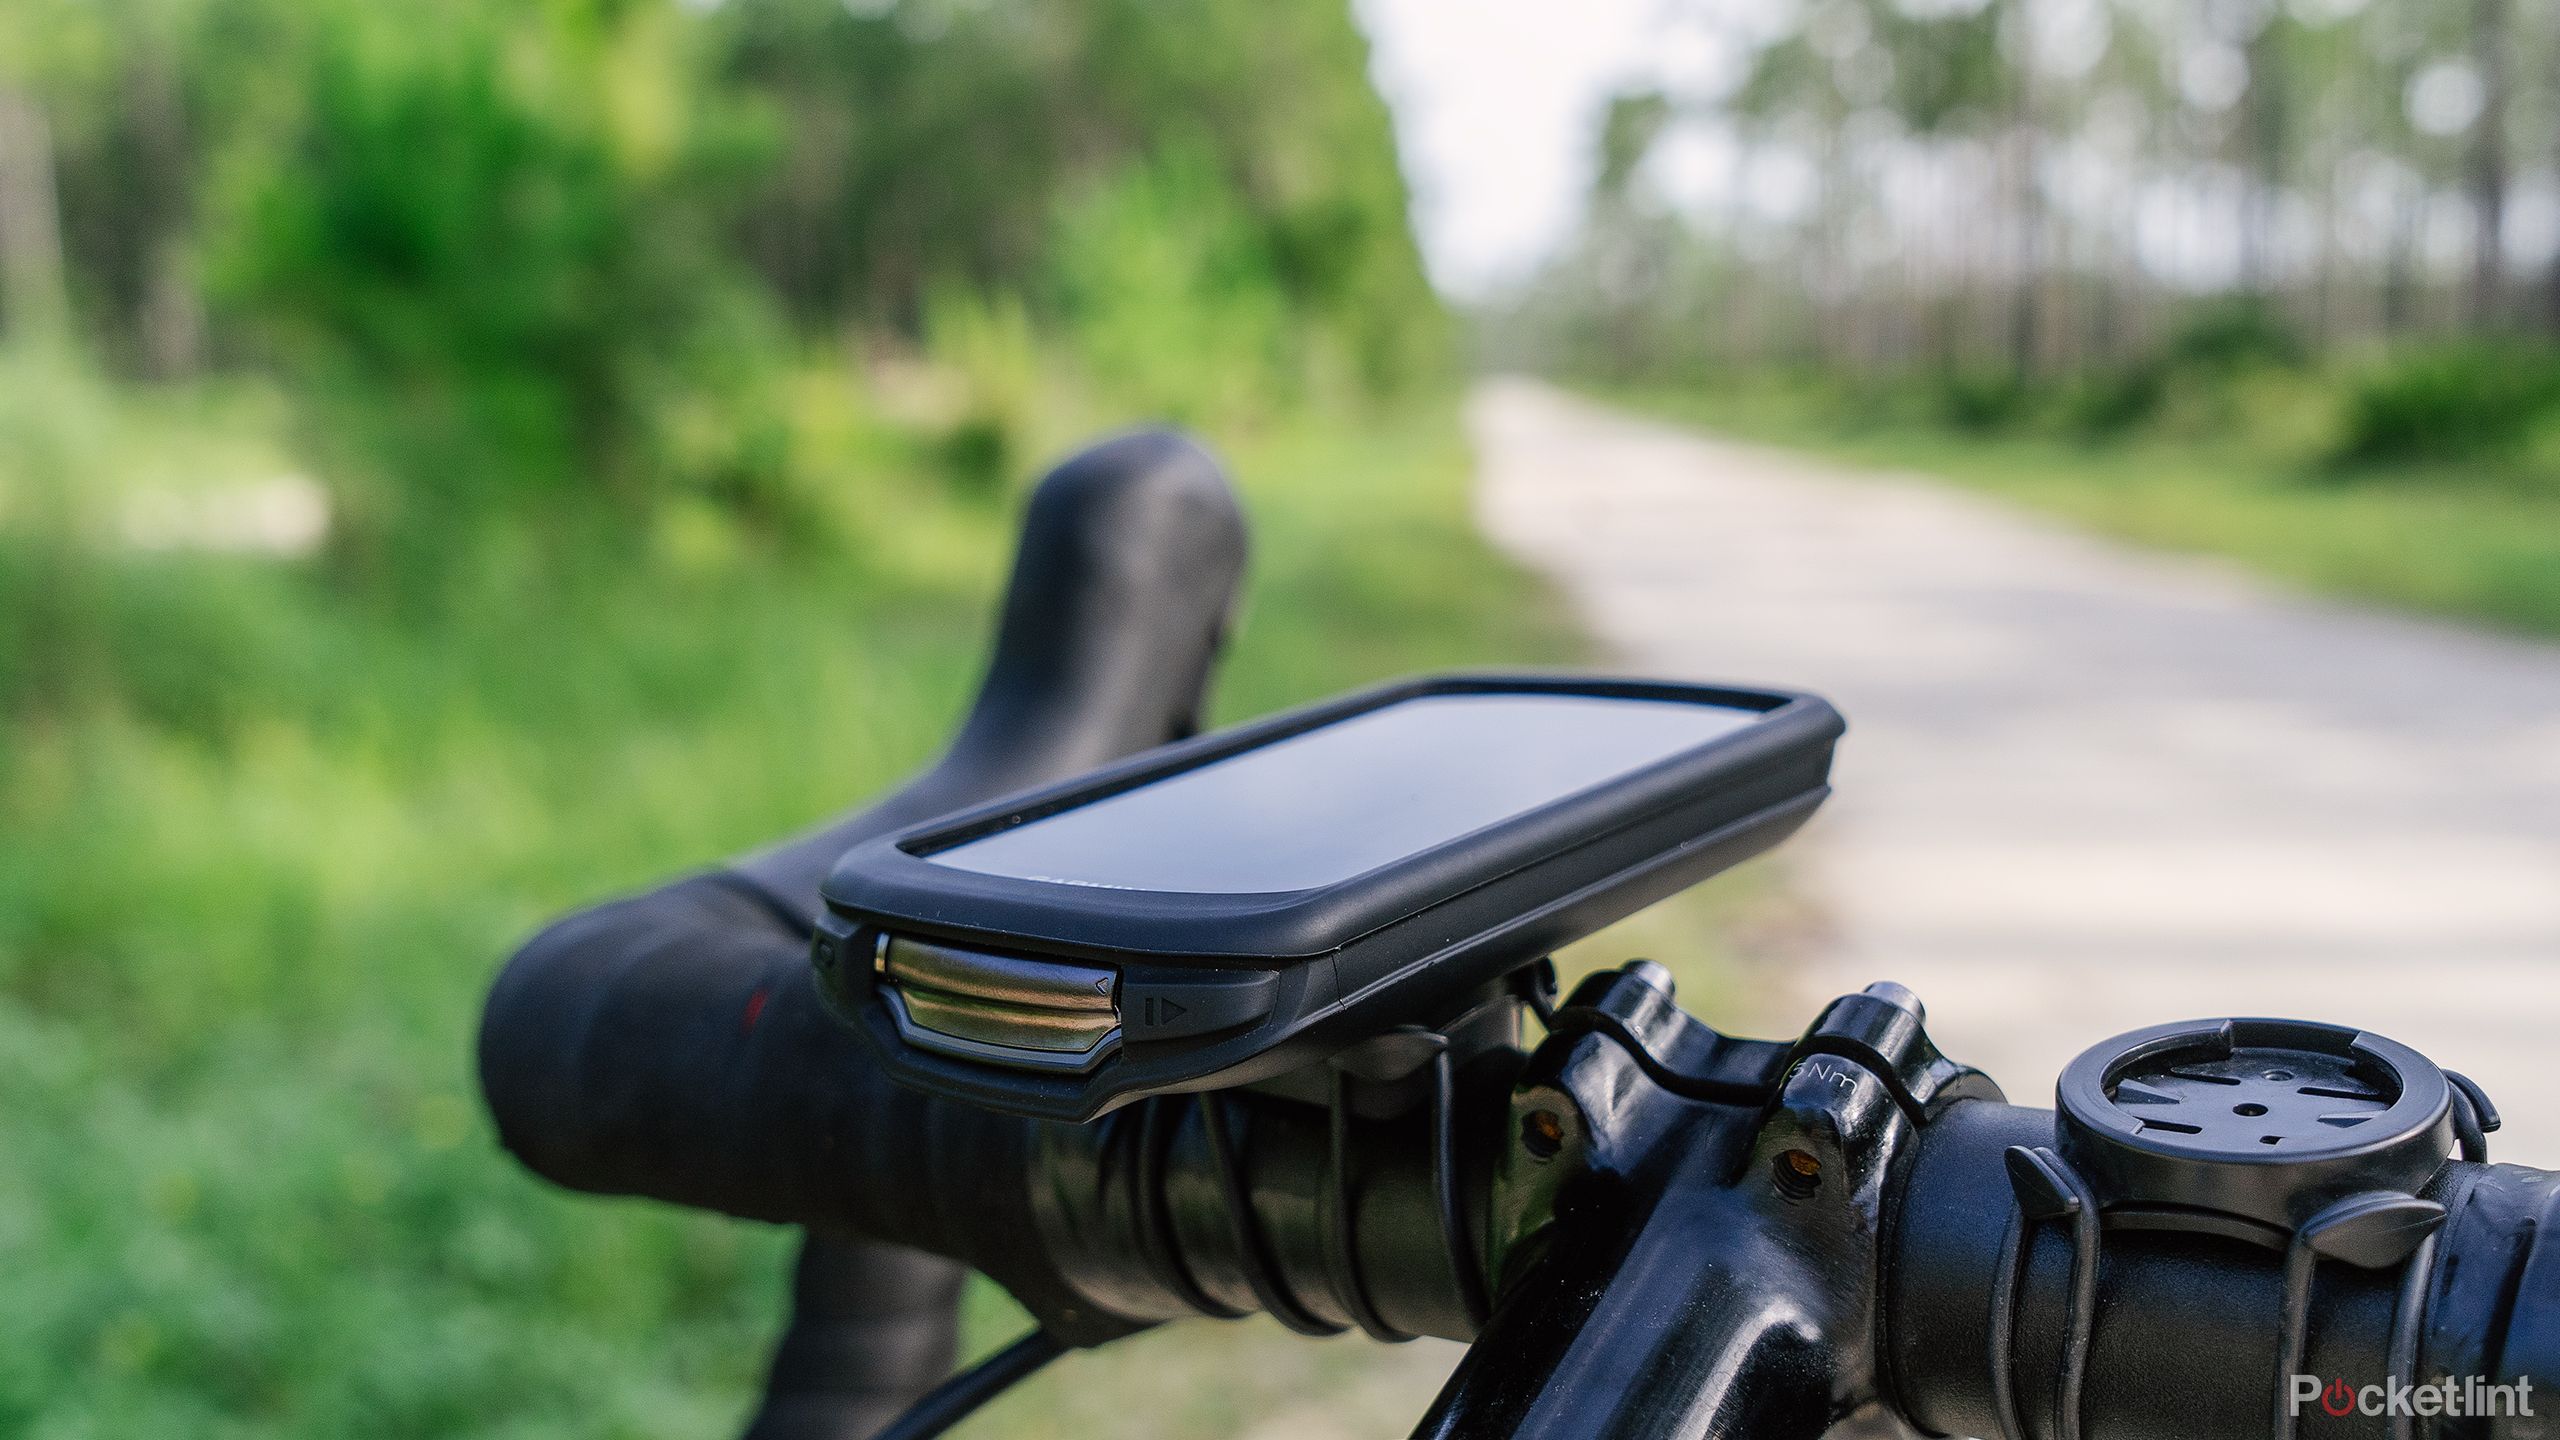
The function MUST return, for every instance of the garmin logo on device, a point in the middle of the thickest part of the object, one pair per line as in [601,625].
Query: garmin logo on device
[2462,1395]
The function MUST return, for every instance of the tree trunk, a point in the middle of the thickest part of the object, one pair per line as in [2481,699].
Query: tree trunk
[168,319]
[2268,114]
[2488,165]
[2399,265]
[32,303]
[2026,256]
[2026,200]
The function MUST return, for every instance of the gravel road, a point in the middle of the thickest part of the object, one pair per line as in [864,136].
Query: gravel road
[2086,787]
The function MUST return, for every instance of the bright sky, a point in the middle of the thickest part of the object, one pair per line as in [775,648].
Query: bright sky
[1496,104]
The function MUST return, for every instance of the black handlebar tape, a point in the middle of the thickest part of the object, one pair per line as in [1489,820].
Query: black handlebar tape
[674,1045]
[2185,1342]
[619,1050]
[1131,556]
[870,1332]
[1064,693]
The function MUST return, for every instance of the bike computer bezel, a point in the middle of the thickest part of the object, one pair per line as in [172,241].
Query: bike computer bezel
[1298,975]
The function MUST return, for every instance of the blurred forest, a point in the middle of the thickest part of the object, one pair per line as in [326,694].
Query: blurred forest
[499,256]
[2331,227]
[459,459]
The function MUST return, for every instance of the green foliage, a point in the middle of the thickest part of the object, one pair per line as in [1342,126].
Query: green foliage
[1951,68]
[265,852]
[2111,402]
[485,263]
[2232,377]
[2460,402]
[2199,380]
[1169,294]
[1948,70]
[1982,400]
[2231,334]
[2050,187]
[672,372]
[924,143]
[51,412]
[991,350]
[530,267]
[1627,134]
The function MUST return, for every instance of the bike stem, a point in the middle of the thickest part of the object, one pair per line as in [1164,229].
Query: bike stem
[1692,1224]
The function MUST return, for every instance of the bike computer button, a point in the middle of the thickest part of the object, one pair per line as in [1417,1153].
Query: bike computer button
[2250,1127]
[1178,1006]
[1006,1009]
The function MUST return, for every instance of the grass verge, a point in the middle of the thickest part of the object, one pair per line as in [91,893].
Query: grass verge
[2465,541]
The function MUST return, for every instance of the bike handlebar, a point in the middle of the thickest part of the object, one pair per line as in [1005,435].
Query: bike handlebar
[1685,1233]
[638,1031]
[1131,557]
[1106,1228]
[2184,1343]
[726,1084]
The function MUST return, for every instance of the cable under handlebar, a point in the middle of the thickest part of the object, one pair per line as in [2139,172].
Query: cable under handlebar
[955,1399]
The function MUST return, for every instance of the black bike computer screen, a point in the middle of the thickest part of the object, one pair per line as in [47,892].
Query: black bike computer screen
[1342,799]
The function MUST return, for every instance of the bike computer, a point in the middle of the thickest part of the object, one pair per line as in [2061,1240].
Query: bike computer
[1231,907]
